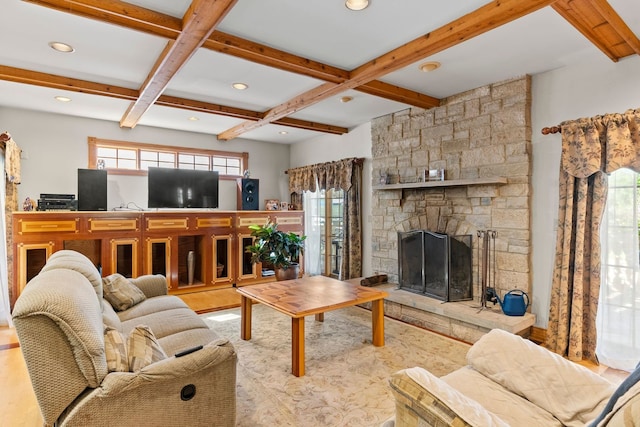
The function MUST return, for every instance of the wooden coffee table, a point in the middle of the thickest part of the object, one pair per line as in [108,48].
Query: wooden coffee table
[310,296]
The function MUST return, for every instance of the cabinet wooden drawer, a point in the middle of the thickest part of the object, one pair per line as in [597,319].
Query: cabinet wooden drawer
[113,224]
[247,221]
[213,222]
[167,224]
[51,226]
[288,220]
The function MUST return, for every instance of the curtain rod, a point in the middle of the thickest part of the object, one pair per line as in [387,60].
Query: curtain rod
[358,160]
[552,129]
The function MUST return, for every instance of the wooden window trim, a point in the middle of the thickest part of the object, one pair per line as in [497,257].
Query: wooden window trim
[95,142]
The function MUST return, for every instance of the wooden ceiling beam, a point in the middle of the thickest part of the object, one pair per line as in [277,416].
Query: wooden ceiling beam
[207,107]
[35,78]
[396,93]
[240,113]
[307,125]
[19,75]
[483,19]
[601,25]
[198,24]
[119,13]
[266,55]
[155,23]
[617,24]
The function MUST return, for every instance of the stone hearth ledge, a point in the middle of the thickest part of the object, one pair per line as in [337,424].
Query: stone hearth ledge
[461,320]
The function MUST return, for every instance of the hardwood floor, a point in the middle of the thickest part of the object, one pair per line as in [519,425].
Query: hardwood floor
[206,301]
[19,407]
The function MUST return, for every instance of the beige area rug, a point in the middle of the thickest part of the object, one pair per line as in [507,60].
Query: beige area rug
[346,377]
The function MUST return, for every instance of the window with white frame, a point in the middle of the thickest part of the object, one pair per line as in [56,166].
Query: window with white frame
[324,224]
[131,158]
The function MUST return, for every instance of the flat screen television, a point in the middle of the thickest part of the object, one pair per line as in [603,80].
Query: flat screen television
[182,188]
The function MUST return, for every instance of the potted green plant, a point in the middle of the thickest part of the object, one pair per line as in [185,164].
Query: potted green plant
[277,248]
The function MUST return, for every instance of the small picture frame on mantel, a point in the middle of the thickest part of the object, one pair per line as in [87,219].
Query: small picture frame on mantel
[271,204]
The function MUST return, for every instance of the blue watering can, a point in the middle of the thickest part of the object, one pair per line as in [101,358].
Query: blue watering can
[515,302]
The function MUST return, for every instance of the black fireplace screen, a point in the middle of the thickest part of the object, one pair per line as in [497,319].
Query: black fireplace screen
[435,264]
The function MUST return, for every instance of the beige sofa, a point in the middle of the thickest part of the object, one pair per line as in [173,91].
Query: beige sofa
[81,378]
[510,381]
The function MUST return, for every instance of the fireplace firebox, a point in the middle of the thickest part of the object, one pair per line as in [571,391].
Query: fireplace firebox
[435,264]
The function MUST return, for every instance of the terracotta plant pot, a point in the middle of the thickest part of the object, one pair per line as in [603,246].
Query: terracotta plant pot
[288,274]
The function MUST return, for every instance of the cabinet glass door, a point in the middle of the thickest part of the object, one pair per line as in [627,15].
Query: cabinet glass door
[247,270]
[158,257]
[191,261]
[124,257]
[222,256]
[31,259]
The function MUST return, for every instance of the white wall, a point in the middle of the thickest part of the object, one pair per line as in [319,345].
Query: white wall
[586,89]
[328,148]
[55,146]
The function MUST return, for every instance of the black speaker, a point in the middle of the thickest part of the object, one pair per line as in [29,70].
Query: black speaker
[92,190]
[248,199]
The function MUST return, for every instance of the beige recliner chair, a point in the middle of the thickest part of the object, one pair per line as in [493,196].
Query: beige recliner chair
[60,319]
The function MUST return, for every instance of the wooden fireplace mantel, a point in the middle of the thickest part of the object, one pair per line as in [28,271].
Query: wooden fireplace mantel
[499,180]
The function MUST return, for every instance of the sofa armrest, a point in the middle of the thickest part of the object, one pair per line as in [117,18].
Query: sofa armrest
[170,369]
[423,399]
[155,395]
[151,285]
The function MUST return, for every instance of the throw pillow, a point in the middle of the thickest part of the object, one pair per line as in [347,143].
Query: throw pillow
[143,348]
[120,292]
[115,350]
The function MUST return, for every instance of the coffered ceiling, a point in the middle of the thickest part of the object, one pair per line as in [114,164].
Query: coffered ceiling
[172,63]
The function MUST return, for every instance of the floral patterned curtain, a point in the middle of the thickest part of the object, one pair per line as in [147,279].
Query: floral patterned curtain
[351,265]
[302,179]
[328,175]
[591,148]
[346,175]
[11,153]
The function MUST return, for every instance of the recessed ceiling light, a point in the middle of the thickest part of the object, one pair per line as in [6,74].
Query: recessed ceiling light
[193,119]
[356,4]
[61,47]
[429,66]
[63,98]
[240,86]
[345,99]
[283,132]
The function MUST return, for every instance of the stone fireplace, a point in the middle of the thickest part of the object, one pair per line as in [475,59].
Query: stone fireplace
[482,139]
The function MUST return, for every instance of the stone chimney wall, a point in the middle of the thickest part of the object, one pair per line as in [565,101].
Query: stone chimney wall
[482,133]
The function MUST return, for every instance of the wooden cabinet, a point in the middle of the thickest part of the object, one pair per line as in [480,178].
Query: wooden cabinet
[136,243]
